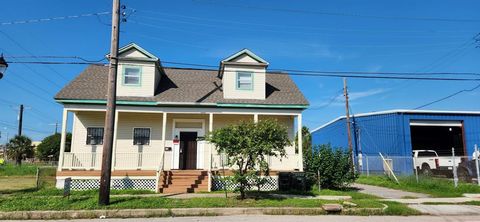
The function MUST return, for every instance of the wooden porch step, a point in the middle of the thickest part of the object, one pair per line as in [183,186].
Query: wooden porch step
[183,181]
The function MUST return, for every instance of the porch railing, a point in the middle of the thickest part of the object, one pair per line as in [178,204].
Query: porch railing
[123,161]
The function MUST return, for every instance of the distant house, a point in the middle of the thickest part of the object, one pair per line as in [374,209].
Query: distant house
[163,115]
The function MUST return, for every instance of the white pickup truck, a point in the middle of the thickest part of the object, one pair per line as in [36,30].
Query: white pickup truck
[428,161]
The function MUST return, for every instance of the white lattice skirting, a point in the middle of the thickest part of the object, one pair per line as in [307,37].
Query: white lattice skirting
[116,184]
[218,184]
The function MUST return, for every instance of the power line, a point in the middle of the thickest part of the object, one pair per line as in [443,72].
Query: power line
[311,73]
[292,26]
[333,99]
[54,18]
[356,15]
[30,53]
[55,57]
[196,24]
[449,96]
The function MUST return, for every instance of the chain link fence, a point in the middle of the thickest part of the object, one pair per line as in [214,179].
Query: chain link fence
[424,165]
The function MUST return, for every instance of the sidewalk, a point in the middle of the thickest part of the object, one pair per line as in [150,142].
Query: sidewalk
[387,193]
[447,210]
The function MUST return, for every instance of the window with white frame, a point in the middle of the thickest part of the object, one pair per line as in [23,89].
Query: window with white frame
[141,136]
[94,136]
[132,75]
[245,80]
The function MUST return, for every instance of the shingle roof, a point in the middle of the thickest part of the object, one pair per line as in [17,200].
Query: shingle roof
[183,86]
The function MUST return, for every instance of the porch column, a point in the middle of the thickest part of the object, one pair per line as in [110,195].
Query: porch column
[300,142]
[164,132]
[210,152]
[114,149]
[63,139]
[255,118]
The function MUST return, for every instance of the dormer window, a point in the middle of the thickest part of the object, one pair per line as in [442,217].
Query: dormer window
[132,75]
[244,80]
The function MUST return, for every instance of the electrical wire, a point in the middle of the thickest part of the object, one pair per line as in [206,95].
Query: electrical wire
[30,53]
[355,15]
[449,96]
[292,26]
[339,74]
[54,18]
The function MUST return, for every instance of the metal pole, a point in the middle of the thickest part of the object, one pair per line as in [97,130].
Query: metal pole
[106,173]
[415,167]
[368,169]
[454,168]
[20,120]
[477,155]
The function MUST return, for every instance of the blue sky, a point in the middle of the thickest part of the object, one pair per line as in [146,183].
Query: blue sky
[346,36]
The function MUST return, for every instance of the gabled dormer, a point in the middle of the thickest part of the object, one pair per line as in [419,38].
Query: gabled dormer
[243,76]
[139,72]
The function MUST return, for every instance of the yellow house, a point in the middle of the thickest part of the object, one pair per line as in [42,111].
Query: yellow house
[163,115]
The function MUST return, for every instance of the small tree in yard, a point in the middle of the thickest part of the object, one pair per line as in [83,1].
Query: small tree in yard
[333,164]
[20,147]
[49,148]
[247,146]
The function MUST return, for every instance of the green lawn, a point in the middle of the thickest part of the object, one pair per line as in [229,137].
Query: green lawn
[22,170]
[19,184]
[436,187]
[51,199]
[15,179]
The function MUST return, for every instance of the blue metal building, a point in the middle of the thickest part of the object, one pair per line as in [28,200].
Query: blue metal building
[396,133]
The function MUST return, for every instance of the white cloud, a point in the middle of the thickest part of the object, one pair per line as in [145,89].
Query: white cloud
[362,94]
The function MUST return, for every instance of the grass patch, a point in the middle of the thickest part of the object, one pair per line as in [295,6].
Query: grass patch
[395,208]
[51,199]
[22,203]
[22,170]
[436,187]
[16,183]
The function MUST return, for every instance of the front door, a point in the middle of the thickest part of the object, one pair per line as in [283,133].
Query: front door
[188,150]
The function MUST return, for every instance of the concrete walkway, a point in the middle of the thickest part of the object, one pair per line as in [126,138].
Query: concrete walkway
[387,193]
[452,200]
[445,210]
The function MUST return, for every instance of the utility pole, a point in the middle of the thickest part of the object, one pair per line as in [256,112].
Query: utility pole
[106,173]
[20,120]
[56,126]
[349,133]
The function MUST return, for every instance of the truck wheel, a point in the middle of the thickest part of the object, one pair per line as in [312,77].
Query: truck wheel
[426,171]
[463,176]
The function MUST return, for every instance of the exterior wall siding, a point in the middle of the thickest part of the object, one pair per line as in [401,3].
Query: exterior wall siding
[129,120]
[230,90]
[147,80]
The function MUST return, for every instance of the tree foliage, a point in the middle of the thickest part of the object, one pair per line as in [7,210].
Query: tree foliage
[247,146]
[306,140]
[333,164]
[20,147]
[49,148]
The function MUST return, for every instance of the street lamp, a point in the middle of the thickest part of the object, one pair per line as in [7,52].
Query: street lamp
[3,66]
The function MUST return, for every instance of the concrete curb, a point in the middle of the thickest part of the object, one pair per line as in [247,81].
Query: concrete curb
[174,212]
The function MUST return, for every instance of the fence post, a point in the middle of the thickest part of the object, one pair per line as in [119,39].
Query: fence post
[477,155]
[454,168]
[415,167]
[37,178]
[368,169]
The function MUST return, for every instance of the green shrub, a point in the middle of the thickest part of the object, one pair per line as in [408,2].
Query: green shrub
[333,164]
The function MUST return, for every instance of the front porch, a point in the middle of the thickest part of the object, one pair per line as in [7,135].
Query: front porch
[175,141]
